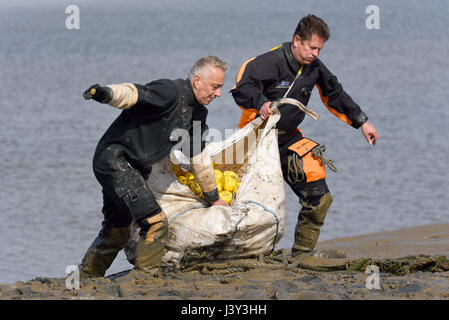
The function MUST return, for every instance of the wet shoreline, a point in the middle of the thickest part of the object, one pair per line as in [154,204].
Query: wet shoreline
[413,264]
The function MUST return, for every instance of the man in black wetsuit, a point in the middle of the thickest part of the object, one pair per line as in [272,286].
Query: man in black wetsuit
[266,78]
[136,140]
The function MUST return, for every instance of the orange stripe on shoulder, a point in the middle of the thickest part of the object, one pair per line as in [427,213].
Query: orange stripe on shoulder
[248,114]
[240,72]
[339,115]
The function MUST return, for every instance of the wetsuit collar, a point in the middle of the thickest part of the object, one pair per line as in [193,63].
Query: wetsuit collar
[190,95]
[291,61]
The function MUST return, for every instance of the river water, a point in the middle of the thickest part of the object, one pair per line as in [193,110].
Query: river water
[50,201]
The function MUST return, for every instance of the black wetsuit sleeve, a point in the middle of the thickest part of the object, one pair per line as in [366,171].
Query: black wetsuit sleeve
[337,100]
[156,97]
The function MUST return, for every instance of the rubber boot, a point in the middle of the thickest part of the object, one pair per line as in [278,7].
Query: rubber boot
[151,245]
[103,251]
[310,220]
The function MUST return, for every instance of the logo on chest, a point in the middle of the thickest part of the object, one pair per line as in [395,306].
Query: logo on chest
[283,84]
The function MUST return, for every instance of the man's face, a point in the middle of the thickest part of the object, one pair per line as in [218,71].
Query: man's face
[207,85]
[305,51]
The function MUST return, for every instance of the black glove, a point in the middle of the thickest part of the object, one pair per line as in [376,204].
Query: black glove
[98,93]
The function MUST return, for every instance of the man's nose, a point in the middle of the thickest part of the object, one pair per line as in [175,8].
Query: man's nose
[315,52]
[218,92]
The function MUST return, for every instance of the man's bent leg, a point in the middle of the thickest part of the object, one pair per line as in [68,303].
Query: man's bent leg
[315,200]
[151,245]
[115,232]
[128,188]
[311,188]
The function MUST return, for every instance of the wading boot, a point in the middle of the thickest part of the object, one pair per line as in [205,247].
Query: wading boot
[151,245]
[310,220]
[103,251]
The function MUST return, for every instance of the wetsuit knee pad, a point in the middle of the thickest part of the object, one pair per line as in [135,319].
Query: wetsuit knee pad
[319,211]
[315,199]
[108,160]
[310,192]
[123,183]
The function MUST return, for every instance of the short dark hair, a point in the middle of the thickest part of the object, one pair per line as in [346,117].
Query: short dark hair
[310,25]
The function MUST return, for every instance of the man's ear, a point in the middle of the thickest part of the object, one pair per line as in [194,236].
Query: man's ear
[296,39]
[195,81]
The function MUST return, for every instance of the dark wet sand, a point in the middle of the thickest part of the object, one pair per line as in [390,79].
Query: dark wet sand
[429,240]
[422,276]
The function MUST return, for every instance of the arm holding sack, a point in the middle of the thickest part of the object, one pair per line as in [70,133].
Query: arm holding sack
[203,170]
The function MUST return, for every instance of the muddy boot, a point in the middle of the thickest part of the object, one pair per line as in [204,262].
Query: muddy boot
[151,245]
[328,254]
[103,251]
[311,218]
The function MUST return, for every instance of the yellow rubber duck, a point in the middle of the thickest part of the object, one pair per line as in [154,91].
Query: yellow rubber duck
[232,174]
[182,179]
[189,176]
[229,183]
[177,170]
[237,186]
[195,187]
[226,196]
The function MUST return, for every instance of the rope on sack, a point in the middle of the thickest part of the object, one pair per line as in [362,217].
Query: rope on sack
[299,105]
[277,260]
[280,261]
[185,211]
[296,172]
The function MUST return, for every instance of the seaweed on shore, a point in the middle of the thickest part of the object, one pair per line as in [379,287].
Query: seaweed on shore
[405,265]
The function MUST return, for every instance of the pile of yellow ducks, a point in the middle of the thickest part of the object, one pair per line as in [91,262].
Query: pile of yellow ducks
[227,182]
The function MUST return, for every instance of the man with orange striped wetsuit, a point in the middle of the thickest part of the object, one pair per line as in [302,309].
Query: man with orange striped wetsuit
[267,78]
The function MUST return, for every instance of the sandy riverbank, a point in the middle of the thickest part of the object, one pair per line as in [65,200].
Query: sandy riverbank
[423,274]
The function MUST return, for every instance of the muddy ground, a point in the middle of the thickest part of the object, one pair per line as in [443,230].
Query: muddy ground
[413,264]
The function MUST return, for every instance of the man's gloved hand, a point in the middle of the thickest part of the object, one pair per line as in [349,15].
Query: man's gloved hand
[98,93]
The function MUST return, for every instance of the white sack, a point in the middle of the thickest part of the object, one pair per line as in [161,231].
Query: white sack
[255,220]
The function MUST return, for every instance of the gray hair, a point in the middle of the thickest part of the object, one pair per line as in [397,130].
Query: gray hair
[208,61]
